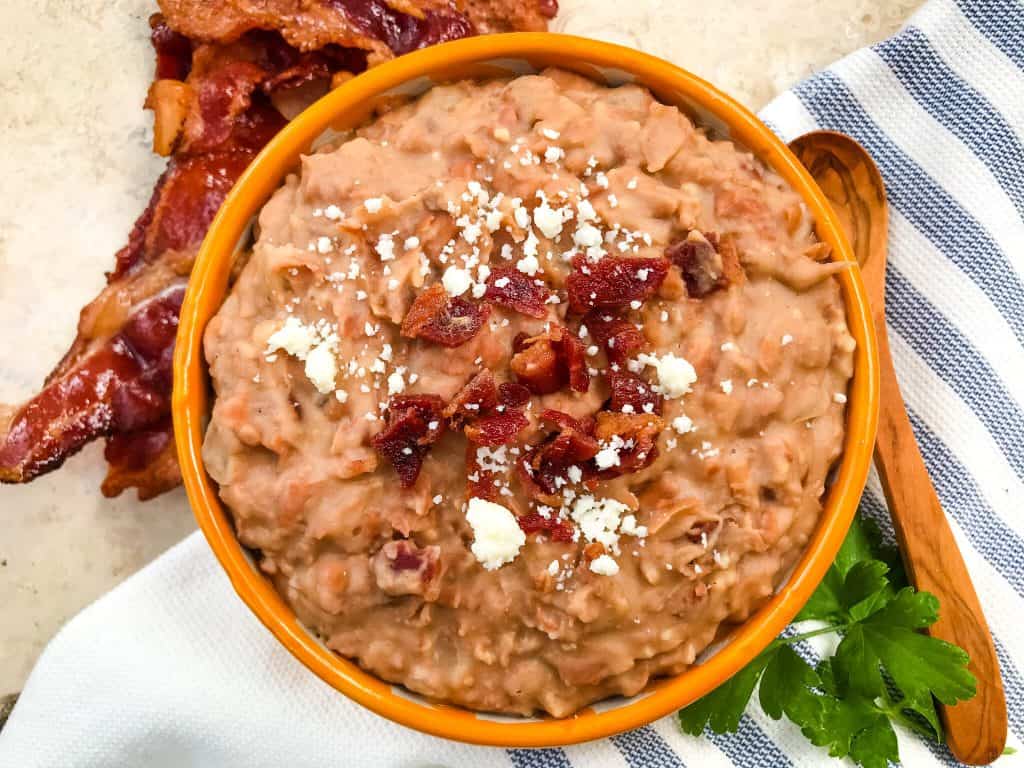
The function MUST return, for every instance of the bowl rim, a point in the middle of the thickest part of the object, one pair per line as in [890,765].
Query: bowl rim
[206,290]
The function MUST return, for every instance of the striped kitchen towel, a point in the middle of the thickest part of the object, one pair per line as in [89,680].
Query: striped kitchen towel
[170,669]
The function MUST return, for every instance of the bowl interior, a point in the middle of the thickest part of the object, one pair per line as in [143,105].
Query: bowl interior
[346,108]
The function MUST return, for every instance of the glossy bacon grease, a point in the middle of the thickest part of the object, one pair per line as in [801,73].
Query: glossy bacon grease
[538,303]
[228,76]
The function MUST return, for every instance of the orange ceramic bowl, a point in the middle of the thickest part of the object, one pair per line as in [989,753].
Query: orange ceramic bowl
[347,107]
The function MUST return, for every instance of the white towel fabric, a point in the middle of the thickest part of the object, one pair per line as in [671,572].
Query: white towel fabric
[171,669]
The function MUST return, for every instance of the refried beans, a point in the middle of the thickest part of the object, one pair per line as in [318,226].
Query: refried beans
[529,390]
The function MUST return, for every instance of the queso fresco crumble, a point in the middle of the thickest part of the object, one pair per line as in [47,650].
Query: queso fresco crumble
[528,390]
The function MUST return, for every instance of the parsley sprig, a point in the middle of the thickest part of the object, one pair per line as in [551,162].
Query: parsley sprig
[884,669]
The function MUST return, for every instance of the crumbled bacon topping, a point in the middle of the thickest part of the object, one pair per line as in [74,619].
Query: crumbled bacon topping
[513,395]
[613,281]
[479,395]
[496,429]
[638,433]
[508,287]
[544,468]
[414,423]
[447,320]
[631,394]
[546,363]
[553,526]
[707,263]
[620,338]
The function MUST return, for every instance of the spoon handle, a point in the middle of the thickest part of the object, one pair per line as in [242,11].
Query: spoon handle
[975,729]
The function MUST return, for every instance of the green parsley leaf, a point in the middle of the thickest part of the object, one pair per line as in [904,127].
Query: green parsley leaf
[884,669]
[722,709]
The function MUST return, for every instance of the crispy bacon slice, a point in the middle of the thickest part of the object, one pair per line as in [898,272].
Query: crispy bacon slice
[613,281]
[414,424]
[509,287]
[475,409]
[496,429]
[620,338]
[447,320]
[638,433]
[513,395]
[217,66]
[546,363]
[544,469]
[478,396]
[122,385]
[554,527]
[707,263]
[631,394]
[382,28]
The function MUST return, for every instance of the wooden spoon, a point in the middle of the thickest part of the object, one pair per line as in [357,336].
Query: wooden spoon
[975,729]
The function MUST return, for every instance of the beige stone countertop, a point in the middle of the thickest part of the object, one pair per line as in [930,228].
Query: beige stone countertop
[77,170]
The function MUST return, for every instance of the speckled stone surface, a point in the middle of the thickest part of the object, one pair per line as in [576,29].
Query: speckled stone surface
[77,170]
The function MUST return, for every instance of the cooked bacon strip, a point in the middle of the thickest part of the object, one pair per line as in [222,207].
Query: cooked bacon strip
[613,281]
[414,424]
[631,394]
[553,526]
[216,65]
[639,432]
[707,264]
[544,466]
[545,363]
[509,287]
[478,396]
[382,28]
[122,385]
[620,338]
[496,429]
[447,320]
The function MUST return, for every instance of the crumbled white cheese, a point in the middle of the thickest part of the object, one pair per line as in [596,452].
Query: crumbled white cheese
[630,528]
[342,395]
[528,265]
[456,281]
[323,245]
[412,242]
[396,383]
[293,337]
[385,248]
[585,211]
[322,367]
[587,236]
[726,385]
[839,397]
[497,536]
[607,457]
[787,340]
[553,567]
[604,566]
[550,133]
[598,519]
[548,220]
[373,204]
[675,374]
[553,154]
[682,424]
[332,212]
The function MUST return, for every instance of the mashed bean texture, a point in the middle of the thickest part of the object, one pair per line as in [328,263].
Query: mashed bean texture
[528,391]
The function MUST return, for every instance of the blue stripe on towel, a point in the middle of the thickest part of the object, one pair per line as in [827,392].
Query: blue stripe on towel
[644,748]
[963,500]
[999,21]
[750,747]
[924,203]
[955,360]
[958,106]
[539,758]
